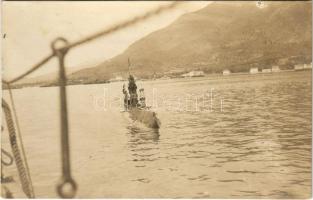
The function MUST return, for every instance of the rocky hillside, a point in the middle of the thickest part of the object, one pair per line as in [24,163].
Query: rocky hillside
[222,35]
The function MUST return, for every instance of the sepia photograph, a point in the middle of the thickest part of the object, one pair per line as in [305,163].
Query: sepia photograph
[156,99]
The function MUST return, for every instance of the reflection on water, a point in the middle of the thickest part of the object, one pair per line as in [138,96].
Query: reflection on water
[257,146]
[143,144]
[138,136]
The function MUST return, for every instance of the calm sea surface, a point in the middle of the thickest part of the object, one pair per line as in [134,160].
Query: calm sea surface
[240,136]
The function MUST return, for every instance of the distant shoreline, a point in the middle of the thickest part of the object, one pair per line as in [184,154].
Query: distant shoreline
[216,75]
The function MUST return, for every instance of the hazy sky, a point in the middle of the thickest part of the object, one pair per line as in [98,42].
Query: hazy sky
[31,26]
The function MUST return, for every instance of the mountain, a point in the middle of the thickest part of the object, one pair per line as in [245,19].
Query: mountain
[222,35]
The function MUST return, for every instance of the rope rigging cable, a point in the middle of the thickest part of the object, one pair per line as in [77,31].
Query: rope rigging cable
[8,155]
[24,174]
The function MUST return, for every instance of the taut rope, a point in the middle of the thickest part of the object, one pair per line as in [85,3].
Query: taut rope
[24,174]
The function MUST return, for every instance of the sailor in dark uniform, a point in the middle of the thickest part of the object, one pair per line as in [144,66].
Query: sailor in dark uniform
[132,88]
[126,98]
[142,98]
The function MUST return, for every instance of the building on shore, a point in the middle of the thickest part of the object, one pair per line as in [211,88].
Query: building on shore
[275,68]
[303,66]
[194,74]
[226,72]
[299,67]
[307,66]
[116,79]
[254,70]
[266,70]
